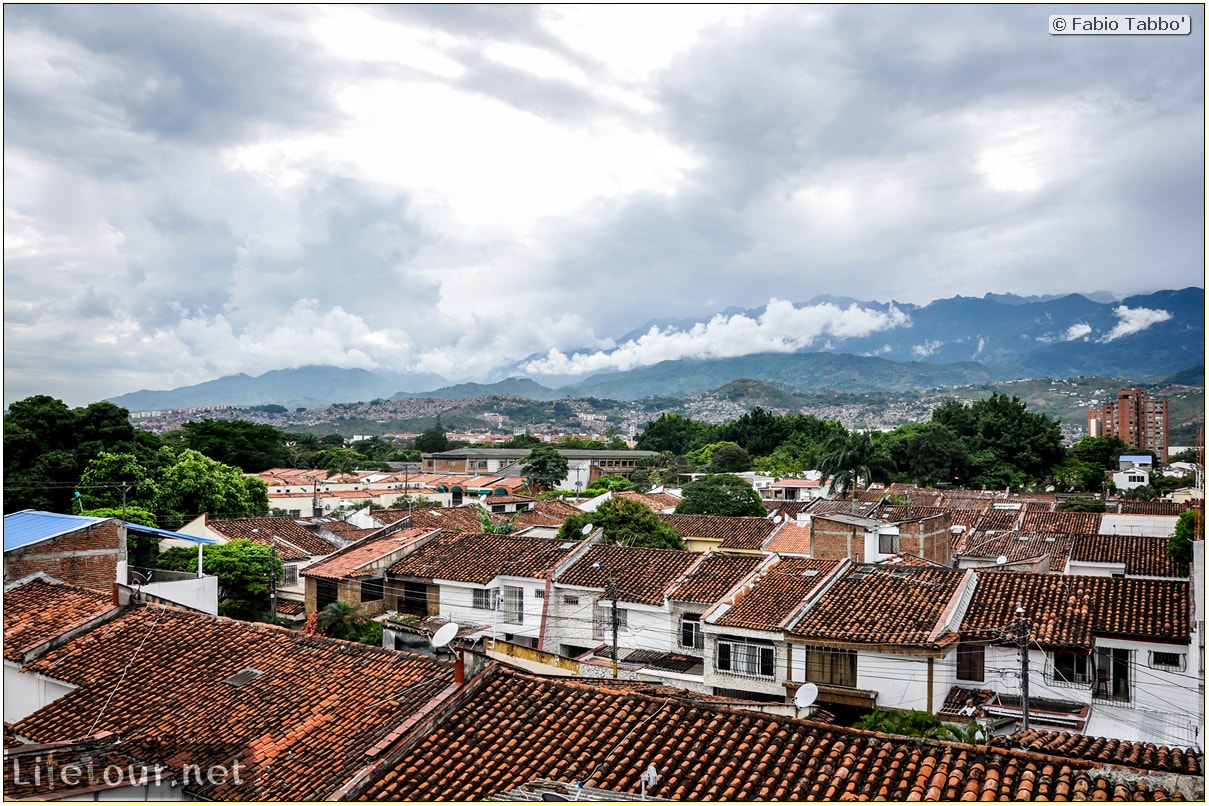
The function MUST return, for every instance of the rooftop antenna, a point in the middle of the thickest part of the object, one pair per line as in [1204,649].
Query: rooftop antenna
[650,777]
[443,636]
[805,696]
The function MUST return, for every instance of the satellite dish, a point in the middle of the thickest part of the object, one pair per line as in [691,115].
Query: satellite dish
[445,635]
[1001,559]
[587,530]
[806,695]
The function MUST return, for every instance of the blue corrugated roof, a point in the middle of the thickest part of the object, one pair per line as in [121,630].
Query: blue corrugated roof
[138,527]
[30,526]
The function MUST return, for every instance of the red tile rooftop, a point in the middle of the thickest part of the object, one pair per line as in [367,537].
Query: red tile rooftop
[299,729]
[563,730]
[1068,522]
[1066,611]
[355,559]
[642,575]
[41,609]
[480,558]
[775,593]
[735,533]
[263,530]
[713,577]
[896,604]
[1142,556]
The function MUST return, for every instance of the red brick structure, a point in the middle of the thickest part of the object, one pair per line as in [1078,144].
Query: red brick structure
[1139,421]
[87,557]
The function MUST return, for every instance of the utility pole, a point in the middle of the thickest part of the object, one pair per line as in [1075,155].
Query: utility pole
[273,583]
[1024,644]
[613,591]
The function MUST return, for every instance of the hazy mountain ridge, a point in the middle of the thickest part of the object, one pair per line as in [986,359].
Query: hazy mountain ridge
[950,342]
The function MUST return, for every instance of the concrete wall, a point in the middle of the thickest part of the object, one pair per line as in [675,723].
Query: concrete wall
[199,594]
[87,557]
[25,693]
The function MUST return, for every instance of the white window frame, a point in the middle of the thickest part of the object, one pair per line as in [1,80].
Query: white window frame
[602,622]
[484,598]
[746,658]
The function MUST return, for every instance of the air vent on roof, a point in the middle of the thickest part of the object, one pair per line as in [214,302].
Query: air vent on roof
[246,676]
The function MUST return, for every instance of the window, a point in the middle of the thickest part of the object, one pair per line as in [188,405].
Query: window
[539,594]
[484,600]
[414,600]
[1068,667]
[295,513]
[690,632]
[290,577]
[514,605]
[970,661]
[749,657]
[887,544]
[1167,660]
[568,599]
[372,590]
[325,592]
[832,667]
[603,623]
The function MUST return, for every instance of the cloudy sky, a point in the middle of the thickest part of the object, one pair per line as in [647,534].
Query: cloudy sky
[196,191]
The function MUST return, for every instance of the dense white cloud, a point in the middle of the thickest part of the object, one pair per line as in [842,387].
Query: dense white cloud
[199,190]
[781,328]
[1134,320]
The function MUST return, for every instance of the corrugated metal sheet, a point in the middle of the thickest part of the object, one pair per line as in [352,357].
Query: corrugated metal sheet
[30,526]
[1144,525]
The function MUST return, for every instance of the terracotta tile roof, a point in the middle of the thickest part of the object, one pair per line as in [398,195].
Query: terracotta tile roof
[910,559]
[828,507]
[41,609]
[791,539]
[353,560]
[791,509]
[895,514]
[449,519]
[544,513]
[776,593]
[1118,752]
[566,731]
[1142,556]
[1066,611]
[743,534]
[36,771]
[1132,507]
[918,496]
[480,558]
[713,577]
[1018,546]
[874,604]
[656,501]
[349,532]
[387,516]
[507,499]
[291,607]
[1087,523]
[643,575]
[263,530]
[299,729]
[997,520]
[968,499]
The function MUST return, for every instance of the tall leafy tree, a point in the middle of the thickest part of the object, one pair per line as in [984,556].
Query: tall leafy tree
[674,434]
[545,467]
[758,432]
[720,494]
[244,570]
[249,446]
[195,483]
[433,440]
[1179,545]
[625,523]
[854,461]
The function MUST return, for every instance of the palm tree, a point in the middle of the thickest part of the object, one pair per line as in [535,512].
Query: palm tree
[342,620]
[851,460]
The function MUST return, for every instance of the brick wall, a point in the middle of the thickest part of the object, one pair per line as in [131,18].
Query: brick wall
[928,538]
[87,557]
[832,540]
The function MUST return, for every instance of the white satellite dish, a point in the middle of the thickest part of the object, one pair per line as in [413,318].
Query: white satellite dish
[587,530]
[806,694]
[1001,559]
[444,635]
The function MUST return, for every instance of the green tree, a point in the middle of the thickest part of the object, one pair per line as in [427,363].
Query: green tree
[243,569]
[674,434]
[854,461]
[112,479]
[343,620]
[249,446]
[720,494]
[339,461]
[609,482]
[490,527]
[1081,505]
[1101,452]
[625,523]
[935,454]
[1007,444]
[759,432]
[1179,544]
[545,467]
[433,440]
[194,484]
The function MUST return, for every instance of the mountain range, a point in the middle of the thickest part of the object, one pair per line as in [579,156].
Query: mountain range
[949,342]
